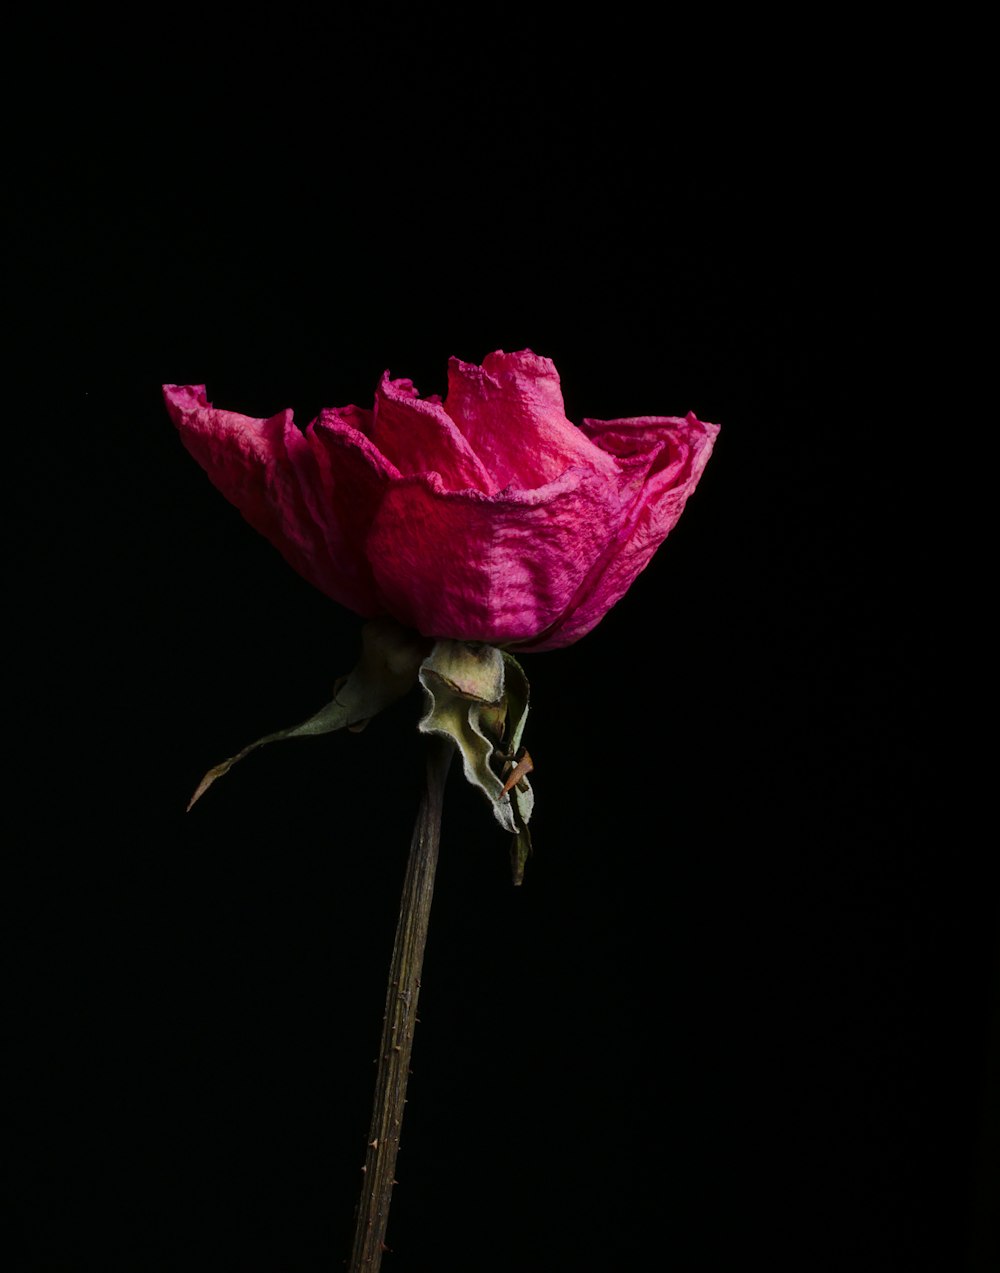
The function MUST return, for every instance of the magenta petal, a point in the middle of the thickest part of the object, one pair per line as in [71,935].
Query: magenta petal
[500,570]
[511,411]
[348,476]
[419,436]
[266,468]
[491,518]
[679,449]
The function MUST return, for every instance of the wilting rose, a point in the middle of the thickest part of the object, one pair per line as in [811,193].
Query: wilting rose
[486,517]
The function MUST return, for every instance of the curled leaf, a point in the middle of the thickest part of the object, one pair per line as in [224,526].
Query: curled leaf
[387,669]
[478,697]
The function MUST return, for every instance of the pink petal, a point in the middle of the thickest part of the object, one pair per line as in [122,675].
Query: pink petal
[666,456]
[511,412]
[501,570]
[267,469]
[396,512]
[344,481]
[419,436]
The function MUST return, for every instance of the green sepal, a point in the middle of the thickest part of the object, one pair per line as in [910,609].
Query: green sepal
[387,669]
[477,696]
[518,693]
[517,705]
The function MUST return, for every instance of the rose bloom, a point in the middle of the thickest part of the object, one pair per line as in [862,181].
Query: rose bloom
[486,517]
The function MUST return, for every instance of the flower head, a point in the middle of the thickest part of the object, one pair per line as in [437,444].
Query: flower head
[487,517]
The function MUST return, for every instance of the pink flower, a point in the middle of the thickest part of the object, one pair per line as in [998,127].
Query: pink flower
[486,517]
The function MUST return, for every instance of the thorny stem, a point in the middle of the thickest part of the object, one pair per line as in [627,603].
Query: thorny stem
[400,1017]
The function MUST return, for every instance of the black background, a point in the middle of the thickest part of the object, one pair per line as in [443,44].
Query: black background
[741,1003]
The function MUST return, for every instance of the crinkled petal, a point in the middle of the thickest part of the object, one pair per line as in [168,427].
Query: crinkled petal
[360,419]
[661,460]
[419,436]
[505,524]
[502,570]
[347,478]
[267,469]
[511,412]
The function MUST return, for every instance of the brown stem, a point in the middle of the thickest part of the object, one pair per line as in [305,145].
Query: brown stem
[400,1017]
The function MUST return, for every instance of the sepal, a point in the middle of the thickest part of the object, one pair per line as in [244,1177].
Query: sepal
[477,695]
[387,669]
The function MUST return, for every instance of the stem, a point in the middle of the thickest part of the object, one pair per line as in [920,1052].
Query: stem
[400,1017]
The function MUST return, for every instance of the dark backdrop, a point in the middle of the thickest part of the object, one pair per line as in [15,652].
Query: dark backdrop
[740,1004]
